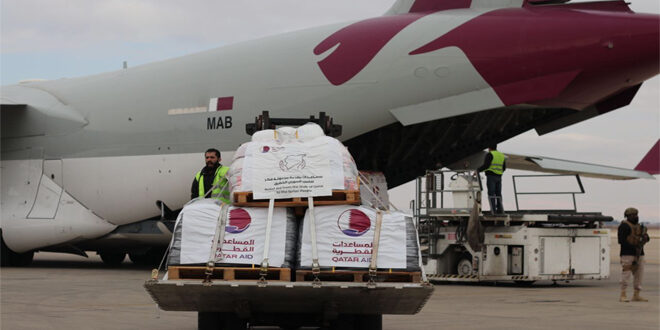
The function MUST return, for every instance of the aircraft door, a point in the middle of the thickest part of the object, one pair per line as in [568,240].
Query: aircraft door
[49,192]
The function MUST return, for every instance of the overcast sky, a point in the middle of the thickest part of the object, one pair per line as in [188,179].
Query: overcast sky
[68,38]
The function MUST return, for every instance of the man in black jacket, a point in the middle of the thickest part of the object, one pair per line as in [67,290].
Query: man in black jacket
[632,237]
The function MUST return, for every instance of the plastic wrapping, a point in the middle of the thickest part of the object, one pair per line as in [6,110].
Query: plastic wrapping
[243,240]
[374,192]
[343,169]
[332,244]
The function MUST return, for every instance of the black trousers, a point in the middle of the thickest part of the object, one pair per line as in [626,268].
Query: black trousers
[494,184]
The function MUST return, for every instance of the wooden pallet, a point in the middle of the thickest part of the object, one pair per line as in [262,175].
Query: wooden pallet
[228,273]
[359,276]
[339,197]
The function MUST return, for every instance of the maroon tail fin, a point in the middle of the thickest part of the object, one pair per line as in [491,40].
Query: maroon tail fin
[651,162]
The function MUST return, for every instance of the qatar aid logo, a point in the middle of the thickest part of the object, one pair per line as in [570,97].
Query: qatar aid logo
[239,221]
[353,223]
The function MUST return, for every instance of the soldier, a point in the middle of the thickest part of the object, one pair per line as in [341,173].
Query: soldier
[632,237]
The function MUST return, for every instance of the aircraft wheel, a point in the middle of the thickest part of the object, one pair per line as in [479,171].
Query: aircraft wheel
[155,255]
[152,257]
[112,258]
[9,258]
[22,259]
[464,267]
[138,258]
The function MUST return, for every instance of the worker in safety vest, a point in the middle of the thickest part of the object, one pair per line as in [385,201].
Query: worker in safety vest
[632,237]
[212,175]
[494,165]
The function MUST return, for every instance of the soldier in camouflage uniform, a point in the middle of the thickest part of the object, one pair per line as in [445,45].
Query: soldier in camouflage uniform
[632,237]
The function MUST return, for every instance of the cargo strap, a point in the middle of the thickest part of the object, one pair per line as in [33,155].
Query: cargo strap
[316,267]
[263,272]
[373,265]
[219,236]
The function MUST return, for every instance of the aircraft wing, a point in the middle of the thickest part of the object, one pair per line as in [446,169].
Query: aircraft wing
[560,166]
[557,166]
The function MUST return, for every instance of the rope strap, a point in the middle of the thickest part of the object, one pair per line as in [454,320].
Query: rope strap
[219,236]
[373,265]
[263,272]
[316,267]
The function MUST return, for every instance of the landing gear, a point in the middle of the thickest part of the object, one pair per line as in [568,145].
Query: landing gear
[9,258]
[112,258]
[151,257]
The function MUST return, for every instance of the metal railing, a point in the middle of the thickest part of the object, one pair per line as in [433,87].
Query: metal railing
[430,201]
[572,193]
[431,189]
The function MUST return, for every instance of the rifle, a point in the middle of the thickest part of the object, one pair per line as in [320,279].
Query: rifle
[641,237]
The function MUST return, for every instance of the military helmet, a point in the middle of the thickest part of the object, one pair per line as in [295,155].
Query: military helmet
[630,211]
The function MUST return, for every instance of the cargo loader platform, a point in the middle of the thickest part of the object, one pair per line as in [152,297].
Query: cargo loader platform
[289,297]
[334,305]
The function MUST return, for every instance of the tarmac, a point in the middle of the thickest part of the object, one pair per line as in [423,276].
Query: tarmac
[60,291]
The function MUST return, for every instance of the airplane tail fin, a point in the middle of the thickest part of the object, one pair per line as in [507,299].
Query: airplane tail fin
[651,162]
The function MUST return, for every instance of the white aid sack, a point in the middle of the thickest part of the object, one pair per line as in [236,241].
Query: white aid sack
[289,162]
[345,234]
[290,169]
[244,236]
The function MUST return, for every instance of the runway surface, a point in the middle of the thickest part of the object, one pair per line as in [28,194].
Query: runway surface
[61,291]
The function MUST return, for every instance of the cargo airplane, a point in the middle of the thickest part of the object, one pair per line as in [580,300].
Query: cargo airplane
[95,163]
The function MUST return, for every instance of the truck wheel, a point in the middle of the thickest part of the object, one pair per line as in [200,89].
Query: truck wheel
[464,267]
[210,321]
[369,322]
[112,258]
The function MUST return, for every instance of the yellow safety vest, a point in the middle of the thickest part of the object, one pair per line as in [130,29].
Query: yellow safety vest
[497,165]
[218,181]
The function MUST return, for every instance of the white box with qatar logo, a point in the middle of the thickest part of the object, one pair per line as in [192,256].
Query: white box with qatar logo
[244,236]
[345,235]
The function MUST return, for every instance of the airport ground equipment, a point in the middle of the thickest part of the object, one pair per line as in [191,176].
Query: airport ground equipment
[459,242]
[342,305]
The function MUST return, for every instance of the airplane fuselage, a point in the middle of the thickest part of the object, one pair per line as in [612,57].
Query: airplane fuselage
[99,151]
